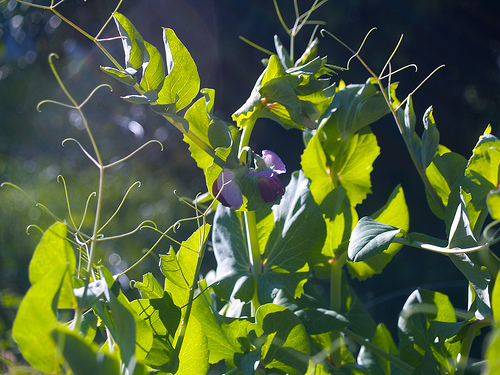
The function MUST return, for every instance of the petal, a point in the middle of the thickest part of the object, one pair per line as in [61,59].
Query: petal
[227,191]
[271,188]
[273,161]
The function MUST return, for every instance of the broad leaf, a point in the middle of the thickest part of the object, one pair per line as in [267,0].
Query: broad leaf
[153,69]
[354,107]
[234,277]
[133,43]
[182,83]
[179,268]
[420,346]
[84,358]
[443,172]
[163,317]
[370,238]
[298,235]
[52,252]
[286,346]
[320,320]
[394,213]
[150,288]
[32,331]
[226,336]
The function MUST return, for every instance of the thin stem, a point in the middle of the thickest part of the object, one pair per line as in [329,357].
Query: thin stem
[381,353]
[253,246]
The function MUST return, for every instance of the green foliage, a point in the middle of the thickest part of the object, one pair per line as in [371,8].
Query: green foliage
[260,311]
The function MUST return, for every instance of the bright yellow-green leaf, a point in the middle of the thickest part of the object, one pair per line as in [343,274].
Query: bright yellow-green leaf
[53,251]
[35,320]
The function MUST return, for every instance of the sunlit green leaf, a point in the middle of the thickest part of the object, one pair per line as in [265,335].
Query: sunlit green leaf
[84,358]
[126,76]
[443,172]
[35,320]
[133,43]
[154,69]
[182,80]
[149,287]
[492,365]
[225,336]
[194,353]
[287,346]
[163,317]
[53,251]
[179,268]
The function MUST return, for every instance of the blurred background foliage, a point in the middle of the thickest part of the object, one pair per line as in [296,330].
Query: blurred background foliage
[462,34]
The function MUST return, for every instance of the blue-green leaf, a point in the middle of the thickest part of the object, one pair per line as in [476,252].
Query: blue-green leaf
[133,43]
[370,238]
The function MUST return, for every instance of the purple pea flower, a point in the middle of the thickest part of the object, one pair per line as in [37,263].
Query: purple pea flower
[230,196]
[270,186]
[268,166]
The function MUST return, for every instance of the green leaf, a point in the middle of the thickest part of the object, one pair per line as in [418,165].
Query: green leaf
[282,53]
[226,336]
[481,174]
[354,107]
[154,69]
[394,213]
[370,361]
[133,43]
[182,80]
[233,275]
[84,358]
[32,331]
[493,202]
[492,365]
[149,287]
[315,167]
[419,345]
[443,172]
[495,300]
[194,353]
[126,76]
[370,238]
[250,111]
[163,317]
[317,321]
[132,335]
[430,138]
[336,161]
[53,251]
[298,235]
[286,347]
[471,266]
[146,98]
[179,269]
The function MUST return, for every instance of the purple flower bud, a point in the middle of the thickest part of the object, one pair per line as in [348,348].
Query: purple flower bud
[230,193]
[271,188]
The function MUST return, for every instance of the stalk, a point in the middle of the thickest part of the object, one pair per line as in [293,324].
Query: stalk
[253,246]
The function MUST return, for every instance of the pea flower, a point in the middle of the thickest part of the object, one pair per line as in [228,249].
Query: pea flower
[230,196]
[227,188]
[269,166]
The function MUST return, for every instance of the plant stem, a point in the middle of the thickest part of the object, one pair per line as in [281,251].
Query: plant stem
[336,302]
[253,246]
[381,353]
[463,355]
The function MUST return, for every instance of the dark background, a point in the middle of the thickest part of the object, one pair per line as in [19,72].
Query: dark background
[464,35]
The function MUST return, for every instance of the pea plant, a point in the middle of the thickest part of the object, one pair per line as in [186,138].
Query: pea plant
[258,311]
